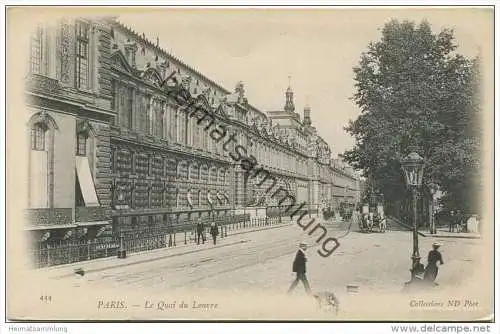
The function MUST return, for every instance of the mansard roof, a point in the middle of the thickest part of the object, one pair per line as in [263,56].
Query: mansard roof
[166,54]
[155,76]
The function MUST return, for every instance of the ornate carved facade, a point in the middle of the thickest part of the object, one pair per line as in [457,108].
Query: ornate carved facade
[117,104]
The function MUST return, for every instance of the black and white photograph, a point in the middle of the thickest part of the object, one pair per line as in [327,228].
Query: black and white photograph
[265,164]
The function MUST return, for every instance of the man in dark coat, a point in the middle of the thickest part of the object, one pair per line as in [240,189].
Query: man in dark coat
[214,231]
[453,220]
[459,221]
[299,267]
[200,227]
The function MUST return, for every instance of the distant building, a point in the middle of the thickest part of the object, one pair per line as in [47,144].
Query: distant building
[107,121]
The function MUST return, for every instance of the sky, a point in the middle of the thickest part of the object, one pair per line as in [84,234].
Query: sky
[317,48]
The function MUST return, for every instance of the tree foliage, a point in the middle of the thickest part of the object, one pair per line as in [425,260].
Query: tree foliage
[415,91]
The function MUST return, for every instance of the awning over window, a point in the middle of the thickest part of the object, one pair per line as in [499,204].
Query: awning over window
[190,202]
[86,182]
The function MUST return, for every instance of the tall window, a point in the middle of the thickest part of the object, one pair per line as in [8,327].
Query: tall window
[38,137]
[81,144]
[130,106]
[150,115]
[82,54]
[36,51]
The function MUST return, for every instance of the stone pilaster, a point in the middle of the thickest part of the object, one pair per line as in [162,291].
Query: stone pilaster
[239,188]
[104,166]
[104,61]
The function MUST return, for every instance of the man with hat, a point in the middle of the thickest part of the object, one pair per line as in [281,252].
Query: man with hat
[200,229]
[299,267]
[433,258]
[214,231]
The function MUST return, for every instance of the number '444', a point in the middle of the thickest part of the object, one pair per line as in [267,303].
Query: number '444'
[45,298]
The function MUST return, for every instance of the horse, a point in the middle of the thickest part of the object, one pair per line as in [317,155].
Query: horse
[368,222]
[382,224]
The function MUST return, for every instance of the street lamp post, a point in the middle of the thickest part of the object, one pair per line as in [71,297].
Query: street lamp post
[413,167]
[120,206]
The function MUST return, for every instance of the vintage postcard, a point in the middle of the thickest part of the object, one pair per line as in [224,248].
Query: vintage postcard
[250,164]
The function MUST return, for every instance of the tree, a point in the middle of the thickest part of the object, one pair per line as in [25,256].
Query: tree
[415,91]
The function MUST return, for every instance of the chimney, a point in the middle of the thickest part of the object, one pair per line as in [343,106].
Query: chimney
[307,115]
[130,51]
[289,106]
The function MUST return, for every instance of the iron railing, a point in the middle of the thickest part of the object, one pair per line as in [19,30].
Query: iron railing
[47,254]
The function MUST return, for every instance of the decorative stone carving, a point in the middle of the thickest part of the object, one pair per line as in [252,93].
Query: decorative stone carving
[83,126]
[66,53]
[152,77]
[130,52]
[186,81]
[162,66]
[40,82]
[206,91]
[240,91]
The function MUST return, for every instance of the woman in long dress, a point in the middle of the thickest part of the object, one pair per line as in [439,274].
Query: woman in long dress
[433,258]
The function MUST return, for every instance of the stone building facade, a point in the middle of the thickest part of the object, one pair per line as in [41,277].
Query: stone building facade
[111,103]
[68,116]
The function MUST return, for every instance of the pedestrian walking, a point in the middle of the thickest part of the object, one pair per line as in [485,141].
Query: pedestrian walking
[299,267]
[200,227]
[356,219]
[433,258]
[214,231]
[452,220]
[459,221]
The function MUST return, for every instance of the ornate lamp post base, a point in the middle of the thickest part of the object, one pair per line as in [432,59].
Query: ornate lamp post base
[416,271]
[122,253]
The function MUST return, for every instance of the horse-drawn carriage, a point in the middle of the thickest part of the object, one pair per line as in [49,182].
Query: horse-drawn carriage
[373,218]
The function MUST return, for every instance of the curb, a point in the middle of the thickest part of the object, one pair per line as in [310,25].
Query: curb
[161,257]
[425,235]
[409,228]
[453,236]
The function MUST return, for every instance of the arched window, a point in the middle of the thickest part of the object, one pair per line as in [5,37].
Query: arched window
[42,129]
[38,136]
[195,172]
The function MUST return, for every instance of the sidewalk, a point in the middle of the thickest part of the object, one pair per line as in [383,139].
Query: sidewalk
[444,233]
[101,264]
[440,232]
